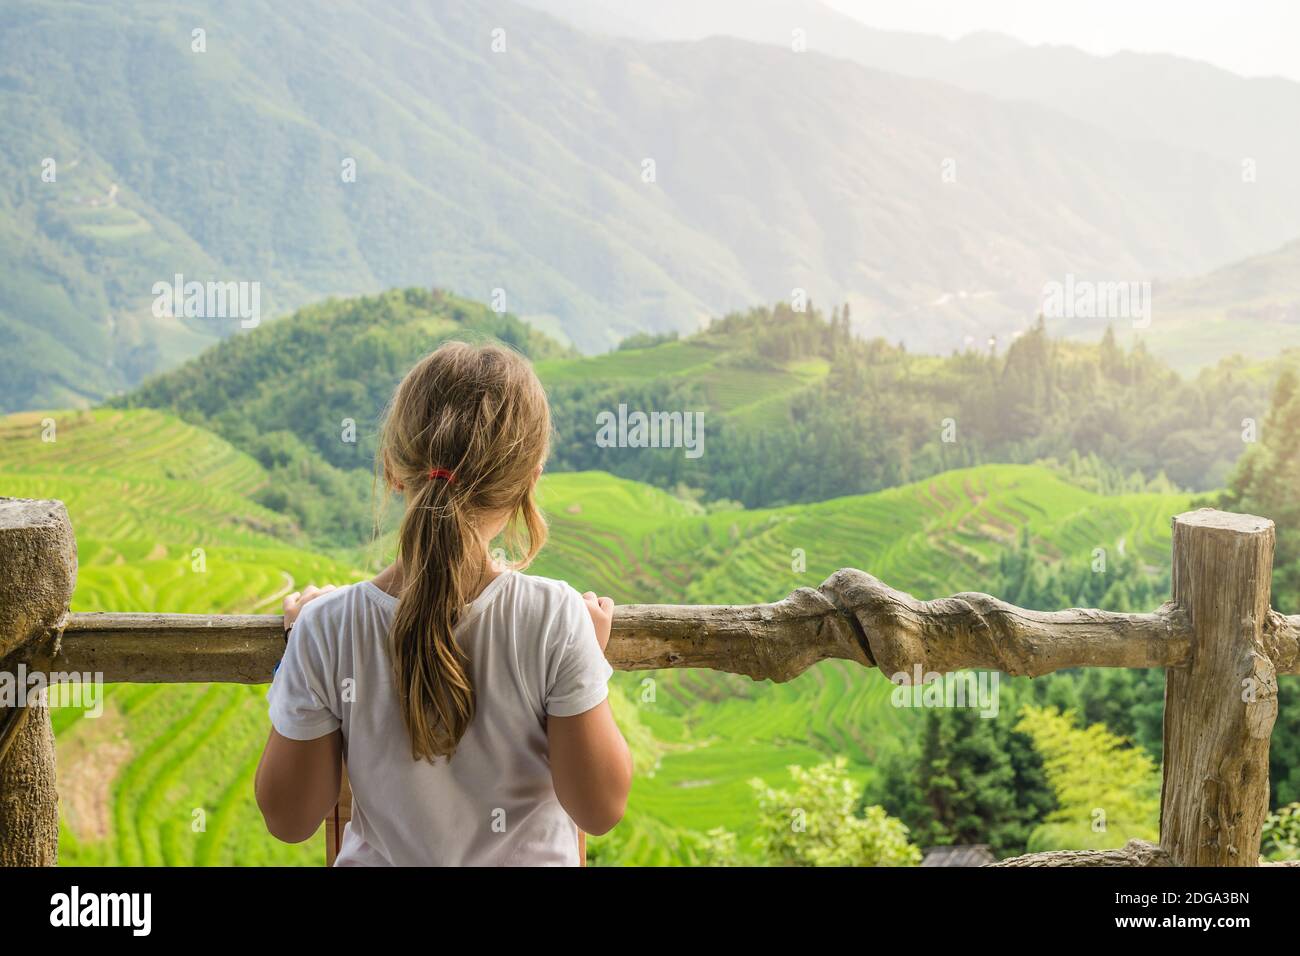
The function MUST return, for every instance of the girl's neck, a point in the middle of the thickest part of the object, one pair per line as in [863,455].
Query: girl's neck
[390,579]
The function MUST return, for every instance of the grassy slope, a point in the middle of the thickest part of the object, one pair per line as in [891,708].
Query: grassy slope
[706,361]
[144,490]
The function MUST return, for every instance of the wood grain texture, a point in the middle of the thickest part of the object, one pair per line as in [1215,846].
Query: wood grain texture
[1220,709]
[1282,640]
[38,570]
[172,648]
[1138,853]
[775,641]
[977,631]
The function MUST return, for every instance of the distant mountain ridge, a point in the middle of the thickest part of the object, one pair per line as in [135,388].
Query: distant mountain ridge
[1143,96]
[1254,304]
[522,176]
[1251,124]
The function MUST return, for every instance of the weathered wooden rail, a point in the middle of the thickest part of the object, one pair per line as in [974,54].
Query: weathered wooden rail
[1218,640]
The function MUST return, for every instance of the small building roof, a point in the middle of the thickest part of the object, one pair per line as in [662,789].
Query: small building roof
[971,854]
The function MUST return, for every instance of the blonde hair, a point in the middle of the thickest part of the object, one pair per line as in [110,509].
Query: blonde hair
[464,435]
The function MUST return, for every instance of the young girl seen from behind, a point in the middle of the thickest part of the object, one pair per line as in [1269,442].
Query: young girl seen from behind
[468,699]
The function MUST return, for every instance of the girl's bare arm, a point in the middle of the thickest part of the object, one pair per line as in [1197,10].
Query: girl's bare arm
[590,761]
[298,783]
[591,767]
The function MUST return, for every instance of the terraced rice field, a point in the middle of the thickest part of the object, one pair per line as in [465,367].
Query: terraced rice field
[718,730]
[165,775]
[736,391]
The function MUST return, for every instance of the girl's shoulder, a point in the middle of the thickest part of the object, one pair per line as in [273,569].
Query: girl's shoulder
[537,584]
[342,605]
[540,597]
[552,589]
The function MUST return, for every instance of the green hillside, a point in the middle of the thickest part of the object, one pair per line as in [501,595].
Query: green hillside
[342,359]
[144,490]
[794,407]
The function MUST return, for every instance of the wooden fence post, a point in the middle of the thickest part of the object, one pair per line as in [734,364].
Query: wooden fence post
[1219,708]
[38,569]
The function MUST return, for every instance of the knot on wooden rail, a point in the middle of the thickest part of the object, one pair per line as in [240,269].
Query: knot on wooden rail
[854,616]
[974,630]
[1282,642]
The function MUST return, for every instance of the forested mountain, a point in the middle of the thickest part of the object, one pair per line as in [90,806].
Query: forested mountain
[304,395]
[496,148]
[795,408]
[881,416]
[1252,124]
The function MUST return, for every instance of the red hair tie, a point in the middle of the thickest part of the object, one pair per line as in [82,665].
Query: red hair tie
[441,473]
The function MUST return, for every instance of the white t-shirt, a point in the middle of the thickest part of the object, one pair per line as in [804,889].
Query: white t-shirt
[532,651]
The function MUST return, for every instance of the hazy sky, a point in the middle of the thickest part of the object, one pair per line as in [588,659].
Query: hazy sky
[1250,37]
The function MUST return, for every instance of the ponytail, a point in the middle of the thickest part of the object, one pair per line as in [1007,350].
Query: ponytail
[434,688]
[483,412]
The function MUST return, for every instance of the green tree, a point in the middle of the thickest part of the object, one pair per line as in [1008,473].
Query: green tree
[1107,790]
[1267,482]
[720,847]
[1284,750]
[814,824]
[969,779]
[1280,839]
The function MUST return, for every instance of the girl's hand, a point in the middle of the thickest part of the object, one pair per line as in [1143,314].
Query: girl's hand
[294,602]
[602,616]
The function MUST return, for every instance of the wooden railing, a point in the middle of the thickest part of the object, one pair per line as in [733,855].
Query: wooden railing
[1218,640]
